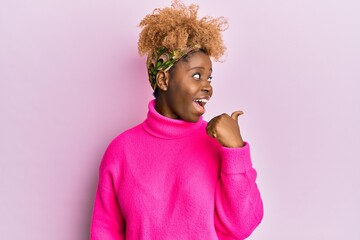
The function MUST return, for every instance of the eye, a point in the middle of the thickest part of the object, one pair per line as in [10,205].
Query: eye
[210,79]
[197,76]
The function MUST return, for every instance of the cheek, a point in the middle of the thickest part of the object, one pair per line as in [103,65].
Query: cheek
[184,90]
[189,89]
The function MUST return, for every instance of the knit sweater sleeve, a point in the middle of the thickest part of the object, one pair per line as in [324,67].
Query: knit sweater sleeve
[239,208]
[107,222]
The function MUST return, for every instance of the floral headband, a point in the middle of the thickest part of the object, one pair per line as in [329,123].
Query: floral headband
[163,60]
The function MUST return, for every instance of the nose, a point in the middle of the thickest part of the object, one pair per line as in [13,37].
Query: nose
[207,88]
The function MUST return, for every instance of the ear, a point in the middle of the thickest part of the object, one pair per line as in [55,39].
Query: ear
[162,80]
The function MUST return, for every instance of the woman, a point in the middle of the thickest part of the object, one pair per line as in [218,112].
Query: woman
[175,176]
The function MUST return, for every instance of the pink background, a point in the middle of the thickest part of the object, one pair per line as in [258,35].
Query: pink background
[71,80]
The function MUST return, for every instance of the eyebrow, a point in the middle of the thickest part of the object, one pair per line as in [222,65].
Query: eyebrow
[200,68]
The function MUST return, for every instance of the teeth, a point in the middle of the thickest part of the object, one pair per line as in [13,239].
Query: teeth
[201,100]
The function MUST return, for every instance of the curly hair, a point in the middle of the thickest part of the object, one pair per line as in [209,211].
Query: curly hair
[178,27]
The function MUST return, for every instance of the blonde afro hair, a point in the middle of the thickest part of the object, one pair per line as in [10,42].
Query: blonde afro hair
[178,27]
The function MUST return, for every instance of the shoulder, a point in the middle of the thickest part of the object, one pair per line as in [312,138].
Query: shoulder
[116,149]
[125,138]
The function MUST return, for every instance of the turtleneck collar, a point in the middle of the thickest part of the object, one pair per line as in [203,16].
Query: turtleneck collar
[168,128]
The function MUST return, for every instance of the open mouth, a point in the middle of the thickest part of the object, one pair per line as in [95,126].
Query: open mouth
[201,102]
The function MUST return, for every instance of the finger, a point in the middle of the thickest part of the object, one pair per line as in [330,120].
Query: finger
[211,133]
[236,114]
[214,119]
[208,127]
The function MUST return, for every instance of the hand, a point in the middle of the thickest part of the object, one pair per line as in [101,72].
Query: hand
[226,129]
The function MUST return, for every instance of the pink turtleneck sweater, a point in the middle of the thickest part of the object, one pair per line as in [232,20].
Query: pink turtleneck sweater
[167,179]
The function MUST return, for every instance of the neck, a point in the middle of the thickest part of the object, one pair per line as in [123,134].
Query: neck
[162,126]
[163,108]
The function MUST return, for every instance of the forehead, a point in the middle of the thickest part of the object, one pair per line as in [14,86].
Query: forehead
[196,59]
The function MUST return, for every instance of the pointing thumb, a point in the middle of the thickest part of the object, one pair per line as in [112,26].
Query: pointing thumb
[236,114]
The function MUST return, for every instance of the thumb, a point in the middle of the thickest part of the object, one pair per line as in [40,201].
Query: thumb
[236,114]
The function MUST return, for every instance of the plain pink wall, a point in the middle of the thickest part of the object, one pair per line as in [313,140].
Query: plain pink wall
[71,80]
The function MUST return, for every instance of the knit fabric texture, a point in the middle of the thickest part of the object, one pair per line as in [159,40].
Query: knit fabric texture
[167,179]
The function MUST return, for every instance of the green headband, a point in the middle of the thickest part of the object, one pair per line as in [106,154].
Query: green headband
[163,60]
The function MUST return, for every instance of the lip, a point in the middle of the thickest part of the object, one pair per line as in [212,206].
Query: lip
[200,108]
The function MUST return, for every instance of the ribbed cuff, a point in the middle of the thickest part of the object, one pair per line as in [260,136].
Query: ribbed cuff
[236,160]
